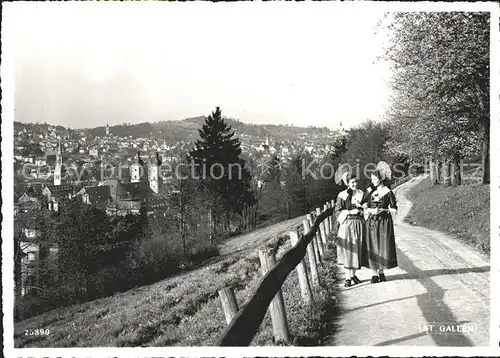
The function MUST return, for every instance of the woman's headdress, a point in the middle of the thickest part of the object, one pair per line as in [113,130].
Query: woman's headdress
[341,174]
[346,177]
[385,171]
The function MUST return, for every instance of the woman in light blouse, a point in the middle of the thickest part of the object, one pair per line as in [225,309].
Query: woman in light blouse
[351,230]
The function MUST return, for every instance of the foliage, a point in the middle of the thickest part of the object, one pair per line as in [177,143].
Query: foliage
[440,63]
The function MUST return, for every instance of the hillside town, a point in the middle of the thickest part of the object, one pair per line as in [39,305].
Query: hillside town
[117,174]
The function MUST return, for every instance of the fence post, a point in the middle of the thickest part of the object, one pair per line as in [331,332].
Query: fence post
[310,254]
[305,288]
[318,245]
[229,304]
[328,221]
[321,227]
[334,216]
[277,306]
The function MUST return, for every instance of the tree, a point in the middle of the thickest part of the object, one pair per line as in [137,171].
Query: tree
[187,208]
[296,187]
[441,84]
[273,192]
[366,145]
[222,172]
[88,242]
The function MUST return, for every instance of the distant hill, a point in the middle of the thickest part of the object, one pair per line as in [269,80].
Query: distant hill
[187,129]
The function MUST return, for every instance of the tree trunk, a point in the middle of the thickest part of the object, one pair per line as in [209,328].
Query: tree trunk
[456,175]
[447,173]
[485,129]
[244,217]
[485,152]
[433,172]
[211,226]
[254,214]
[439,171]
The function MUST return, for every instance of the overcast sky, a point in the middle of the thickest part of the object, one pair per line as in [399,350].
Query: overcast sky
[87,64]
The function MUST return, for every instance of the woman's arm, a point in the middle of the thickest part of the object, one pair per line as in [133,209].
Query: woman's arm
[365,202]
[339,205]
[393,205]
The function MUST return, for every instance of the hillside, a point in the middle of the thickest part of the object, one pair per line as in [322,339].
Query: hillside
[182,130]
[463,211]
[187,129]
[184,310]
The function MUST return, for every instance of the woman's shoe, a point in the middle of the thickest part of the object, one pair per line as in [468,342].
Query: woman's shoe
[355,279]
[382,277]
[348,283]
[375,279]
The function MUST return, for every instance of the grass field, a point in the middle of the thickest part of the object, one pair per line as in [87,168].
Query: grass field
[184,310]
[463,211]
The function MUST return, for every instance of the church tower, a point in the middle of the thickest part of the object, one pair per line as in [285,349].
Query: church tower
[107,129]
[135,169]
[153,173]
[58,167]
[342,130]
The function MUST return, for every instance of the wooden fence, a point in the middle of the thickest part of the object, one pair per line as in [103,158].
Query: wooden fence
[243,324]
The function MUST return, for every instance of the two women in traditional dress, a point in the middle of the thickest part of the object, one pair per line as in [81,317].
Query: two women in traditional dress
[366,243]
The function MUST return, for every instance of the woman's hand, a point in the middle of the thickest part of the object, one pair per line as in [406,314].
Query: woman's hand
[354,211]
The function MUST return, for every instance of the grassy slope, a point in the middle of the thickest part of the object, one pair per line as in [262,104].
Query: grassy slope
[463,211]
[183,310]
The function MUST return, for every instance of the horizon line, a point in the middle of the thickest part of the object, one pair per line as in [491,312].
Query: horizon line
[180,120]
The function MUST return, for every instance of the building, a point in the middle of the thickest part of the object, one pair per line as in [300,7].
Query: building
[55,193]
[97,196]
[58,165]
[115,196]
[149,173]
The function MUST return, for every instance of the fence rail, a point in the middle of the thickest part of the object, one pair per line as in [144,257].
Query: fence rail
[244,326]
[311,244]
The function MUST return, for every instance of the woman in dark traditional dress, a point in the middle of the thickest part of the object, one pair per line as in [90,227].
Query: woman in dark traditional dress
[379,249]
[351,230]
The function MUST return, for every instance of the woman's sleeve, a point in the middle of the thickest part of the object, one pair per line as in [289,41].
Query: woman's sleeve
[364,201]
[392,201]
[339,205]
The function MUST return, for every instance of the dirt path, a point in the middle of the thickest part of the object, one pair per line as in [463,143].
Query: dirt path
[439,281]
[255,238]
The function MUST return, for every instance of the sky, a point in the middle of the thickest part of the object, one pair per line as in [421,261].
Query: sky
[88,64]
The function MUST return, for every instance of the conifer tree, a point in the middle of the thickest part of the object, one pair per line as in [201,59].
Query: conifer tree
[220,169]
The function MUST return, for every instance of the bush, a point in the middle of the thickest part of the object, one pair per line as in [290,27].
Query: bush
[156,259]
[151,260]
[29,306]
[201,254]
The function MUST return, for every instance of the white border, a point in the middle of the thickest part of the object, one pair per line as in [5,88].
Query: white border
[9,11]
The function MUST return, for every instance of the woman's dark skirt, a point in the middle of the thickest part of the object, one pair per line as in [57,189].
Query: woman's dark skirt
[379,247]
[350,236]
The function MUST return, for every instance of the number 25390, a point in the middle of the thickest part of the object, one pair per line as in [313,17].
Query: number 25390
[37,332]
